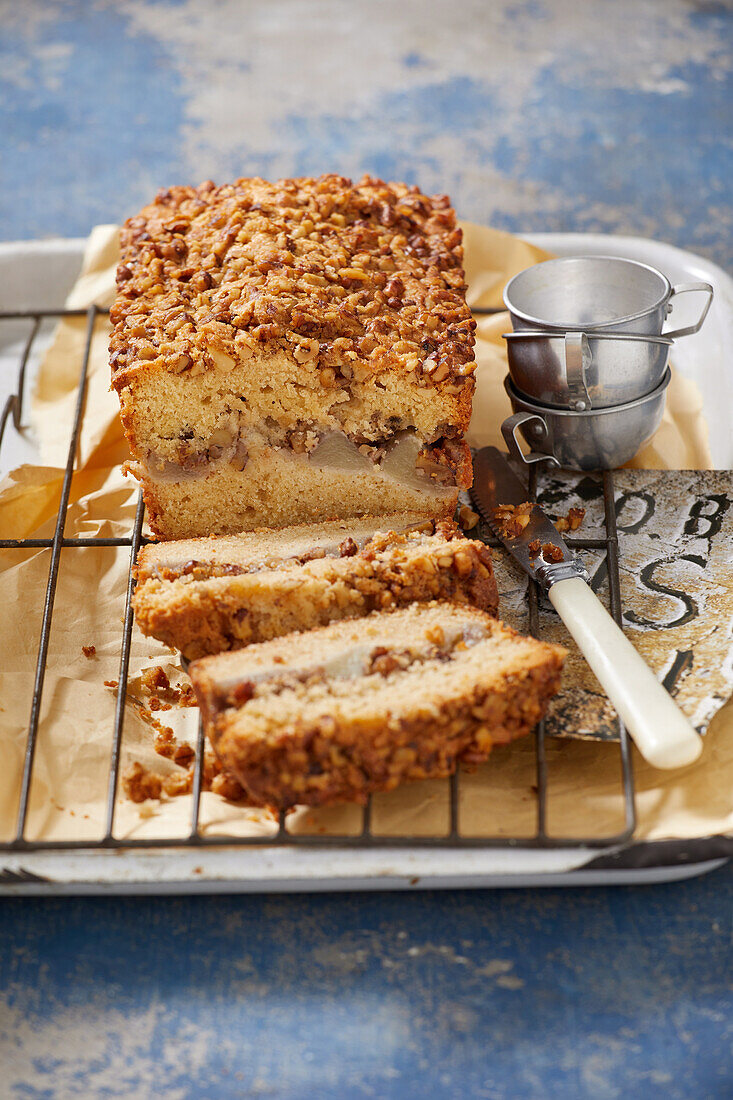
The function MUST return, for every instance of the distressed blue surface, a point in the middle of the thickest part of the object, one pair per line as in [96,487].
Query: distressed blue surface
[543,116]
[600,993]
[534,116]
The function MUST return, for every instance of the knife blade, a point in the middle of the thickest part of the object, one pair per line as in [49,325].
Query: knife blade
[495,484]
[662,733]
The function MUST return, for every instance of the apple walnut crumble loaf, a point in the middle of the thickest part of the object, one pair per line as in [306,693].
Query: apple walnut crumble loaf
[206,595]
[292,351]
[363,705]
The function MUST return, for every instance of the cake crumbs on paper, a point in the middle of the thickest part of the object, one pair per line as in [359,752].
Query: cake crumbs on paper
[89,651]
[162,694]
[188,696]
[140,783]
[157,704]
[156,683]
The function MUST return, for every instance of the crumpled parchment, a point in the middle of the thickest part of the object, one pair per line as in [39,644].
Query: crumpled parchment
[69,787]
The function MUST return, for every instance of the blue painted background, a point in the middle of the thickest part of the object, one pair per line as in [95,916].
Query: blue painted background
[610,115]
[607,115]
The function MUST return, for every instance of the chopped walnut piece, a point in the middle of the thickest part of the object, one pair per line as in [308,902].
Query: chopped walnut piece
[383,661]
[534,548]
[467,517]
[184,754]
[572,521]
[436,635]
[89,651]
[550,552]
[511,519]
[348,548]
[111,683]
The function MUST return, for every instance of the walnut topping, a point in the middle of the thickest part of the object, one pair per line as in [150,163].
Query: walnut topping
[383,660]
[346,277]
[467,518]
[570,522]
[511,519]
[550,552]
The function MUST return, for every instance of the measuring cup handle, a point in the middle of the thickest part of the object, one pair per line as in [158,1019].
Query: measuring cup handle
[577,360]
[688,288]
[509,431]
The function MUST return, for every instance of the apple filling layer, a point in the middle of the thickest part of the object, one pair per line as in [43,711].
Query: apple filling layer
[402,457]
[353,661]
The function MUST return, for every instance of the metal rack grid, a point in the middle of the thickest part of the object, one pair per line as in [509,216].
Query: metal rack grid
[366,838]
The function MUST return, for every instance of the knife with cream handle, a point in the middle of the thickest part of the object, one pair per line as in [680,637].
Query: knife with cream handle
[662,733]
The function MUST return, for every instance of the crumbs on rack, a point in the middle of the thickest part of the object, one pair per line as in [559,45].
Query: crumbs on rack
[570,522]
[162,695]
[511,519]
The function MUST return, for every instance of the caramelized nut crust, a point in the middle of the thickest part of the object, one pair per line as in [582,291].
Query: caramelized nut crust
[351,279]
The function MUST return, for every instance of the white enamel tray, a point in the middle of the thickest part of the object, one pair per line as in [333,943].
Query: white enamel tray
[36,275]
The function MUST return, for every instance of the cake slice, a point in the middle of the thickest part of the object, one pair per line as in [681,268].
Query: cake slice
[202,596]
[362,706]
[293,351]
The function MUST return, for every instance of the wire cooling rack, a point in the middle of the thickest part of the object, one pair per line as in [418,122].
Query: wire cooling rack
[59,544]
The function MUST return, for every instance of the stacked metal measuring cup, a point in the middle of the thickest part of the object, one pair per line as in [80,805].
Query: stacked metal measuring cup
[588,356]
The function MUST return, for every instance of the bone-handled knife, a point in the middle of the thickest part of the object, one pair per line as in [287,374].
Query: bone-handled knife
[661,731]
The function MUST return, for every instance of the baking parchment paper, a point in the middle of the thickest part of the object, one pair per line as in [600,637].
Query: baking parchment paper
[69,788]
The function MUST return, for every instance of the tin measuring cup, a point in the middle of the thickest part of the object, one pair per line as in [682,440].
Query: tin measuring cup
[580,371]
[598,294]
[598,439]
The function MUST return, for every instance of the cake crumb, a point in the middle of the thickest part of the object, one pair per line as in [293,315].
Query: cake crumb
[139,783]
[165,743]
[188,697]
[157,704]
[511,519]
[138,780]
[89,651]
[156,683]
[111,683]
[227,786]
